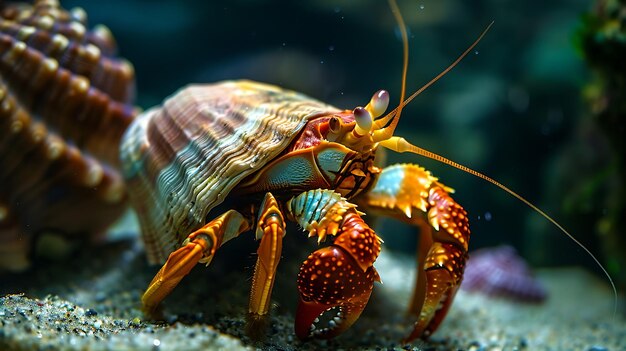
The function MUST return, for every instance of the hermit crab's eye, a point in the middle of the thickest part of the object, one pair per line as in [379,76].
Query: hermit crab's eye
[334,124]
[363,120]
[378,104]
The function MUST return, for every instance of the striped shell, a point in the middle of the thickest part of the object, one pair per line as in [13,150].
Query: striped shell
[65,101]
[183,159]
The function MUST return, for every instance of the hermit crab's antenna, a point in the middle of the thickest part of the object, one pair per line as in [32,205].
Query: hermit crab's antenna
[382,124]
[385,126]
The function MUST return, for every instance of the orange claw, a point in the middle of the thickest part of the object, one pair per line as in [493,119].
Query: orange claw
[333,292]
[334,282]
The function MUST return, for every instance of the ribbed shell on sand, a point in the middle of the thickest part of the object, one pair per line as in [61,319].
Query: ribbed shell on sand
[65,101]
[183,159]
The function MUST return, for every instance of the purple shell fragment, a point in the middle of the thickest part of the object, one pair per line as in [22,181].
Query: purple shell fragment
[500,271]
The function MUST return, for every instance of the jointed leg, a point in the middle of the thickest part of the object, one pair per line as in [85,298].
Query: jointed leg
[423,246]
[270,229]
[200,246]
[399,192]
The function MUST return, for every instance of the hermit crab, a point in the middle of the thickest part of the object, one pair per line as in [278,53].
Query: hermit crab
[213,162]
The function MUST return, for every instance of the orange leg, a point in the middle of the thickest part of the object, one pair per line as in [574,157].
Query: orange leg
[200,246]
[271,230]
[442,252]
[423,246]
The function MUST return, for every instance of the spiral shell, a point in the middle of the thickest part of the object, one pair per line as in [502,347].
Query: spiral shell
[501,272]
[65,101]
[183,159]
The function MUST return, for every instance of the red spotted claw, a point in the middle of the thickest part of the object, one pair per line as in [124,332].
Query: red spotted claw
[335,282]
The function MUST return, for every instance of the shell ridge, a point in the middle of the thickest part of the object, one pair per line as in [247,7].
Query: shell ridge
[203,165]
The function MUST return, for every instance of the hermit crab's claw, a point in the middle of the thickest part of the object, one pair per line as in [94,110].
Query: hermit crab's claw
[334,290]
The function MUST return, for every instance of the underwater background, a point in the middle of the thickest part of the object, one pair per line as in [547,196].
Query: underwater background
[538,106]
[516,109]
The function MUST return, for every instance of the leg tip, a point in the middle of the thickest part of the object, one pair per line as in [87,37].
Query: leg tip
[256,326]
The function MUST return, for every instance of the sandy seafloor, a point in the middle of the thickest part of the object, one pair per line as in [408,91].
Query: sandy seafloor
[91,302]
